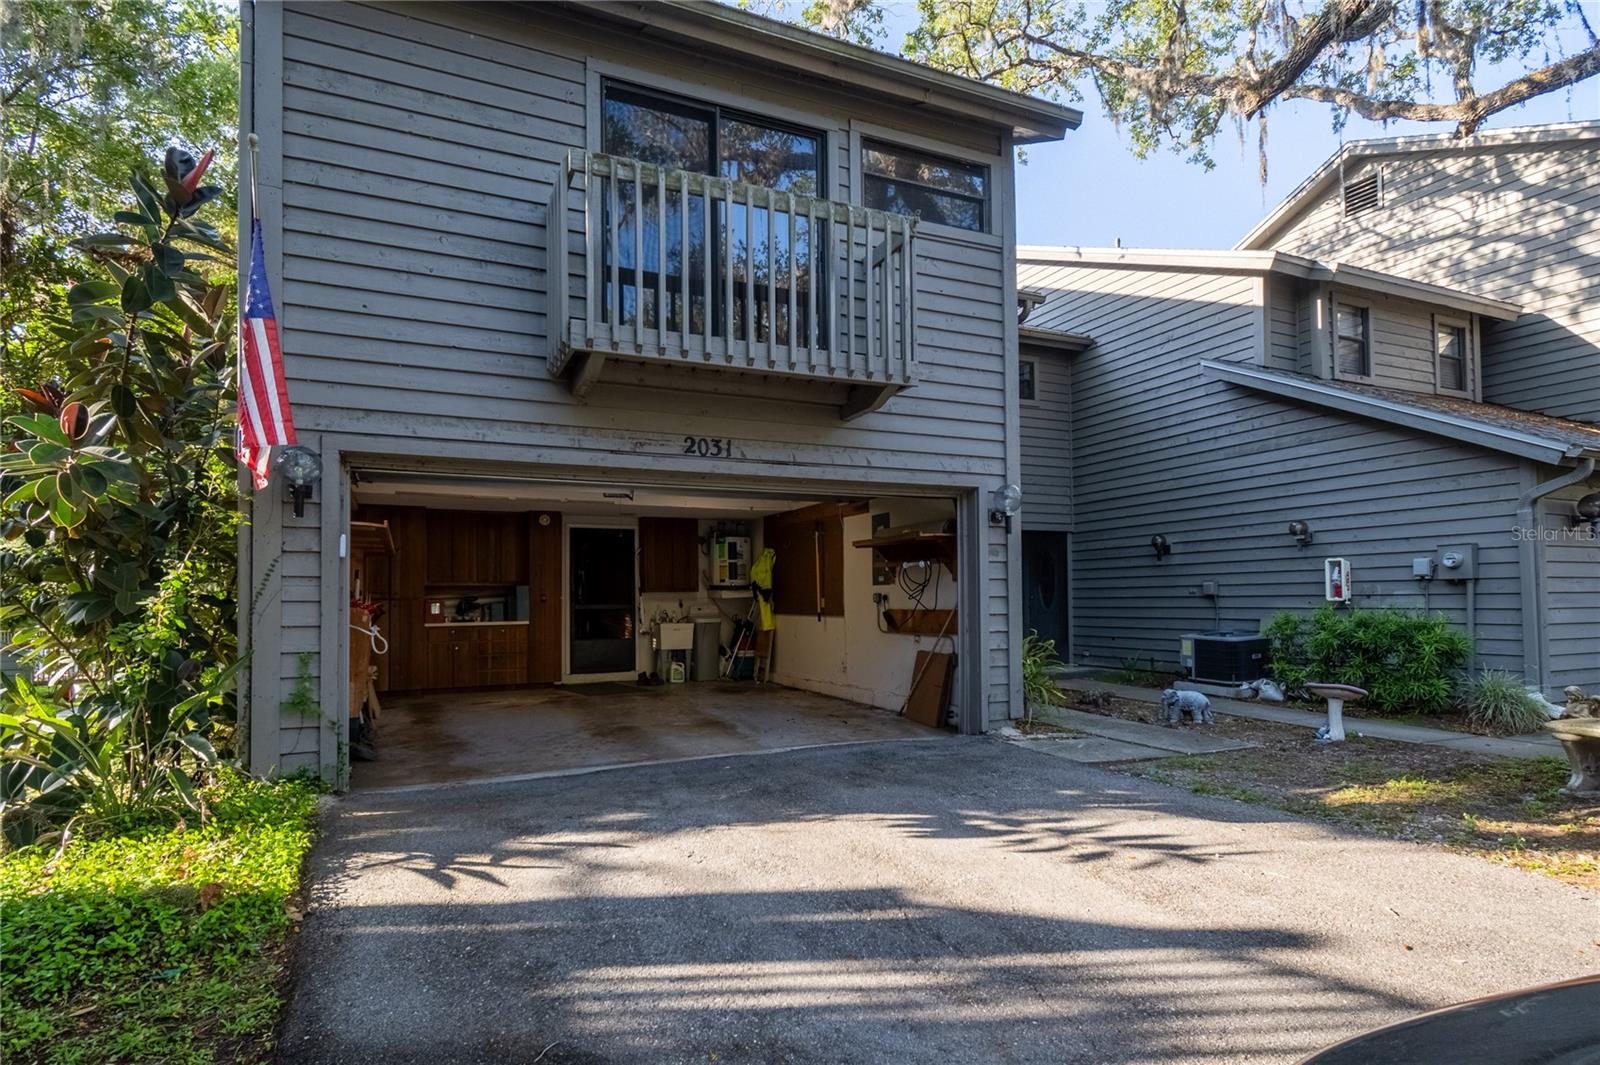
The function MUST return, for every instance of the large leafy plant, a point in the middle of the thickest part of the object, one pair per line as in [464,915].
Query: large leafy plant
[1408,662]
[117,571]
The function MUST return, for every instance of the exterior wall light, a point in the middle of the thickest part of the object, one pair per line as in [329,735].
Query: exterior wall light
[1301,531]
[1161,545]
[1586,511]
[1005,502]
[300,467]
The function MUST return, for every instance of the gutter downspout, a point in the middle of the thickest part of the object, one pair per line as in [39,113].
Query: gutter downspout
[1528,552]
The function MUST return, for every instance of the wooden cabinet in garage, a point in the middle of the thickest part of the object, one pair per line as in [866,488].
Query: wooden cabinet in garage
[474,656]
[669,555]
[476,547]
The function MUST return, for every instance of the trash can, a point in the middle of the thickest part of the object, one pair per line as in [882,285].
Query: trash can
[707,649]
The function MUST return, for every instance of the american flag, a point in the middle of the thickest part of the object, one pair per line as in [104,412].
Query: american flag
[264,418]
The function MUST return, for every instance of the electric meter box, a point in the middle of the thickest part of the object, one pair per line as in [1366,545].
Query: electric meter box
[1458,562]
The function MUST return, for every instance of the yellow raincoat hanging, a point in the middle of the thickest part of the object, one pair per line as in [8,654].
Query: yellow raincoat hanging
[761,581]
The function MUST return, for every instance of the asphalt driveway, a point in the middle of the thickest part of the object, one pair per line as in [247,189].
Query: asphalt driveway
[913,901]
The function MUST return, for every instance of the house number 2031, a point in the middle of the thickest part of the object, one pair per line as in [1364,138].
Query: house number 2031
[708,447]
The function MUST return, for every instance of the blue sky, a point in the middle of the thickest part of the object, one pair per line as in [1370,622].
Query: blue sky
[1091,190]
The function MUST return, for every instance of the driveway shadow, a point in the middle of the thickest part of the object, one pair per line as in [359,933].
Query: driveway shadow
[887,903]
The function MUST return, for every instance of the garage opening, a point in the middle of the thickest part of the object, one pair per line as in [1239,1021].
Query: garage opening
[502,627]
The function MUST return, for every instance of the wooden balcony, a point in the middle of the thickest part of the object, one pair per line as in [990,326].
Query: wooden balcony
[686,269]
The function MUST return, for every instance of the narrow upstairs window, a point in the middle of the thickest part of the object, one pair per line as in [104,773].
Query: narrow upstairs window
[1450,345]
[1352,349]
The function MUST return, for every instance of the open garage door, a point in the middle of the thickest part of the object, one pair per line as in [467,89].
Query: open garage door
[550,625]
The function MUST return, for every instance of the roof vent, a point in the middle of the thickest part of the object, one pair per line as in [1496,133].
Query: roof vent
[1363,195]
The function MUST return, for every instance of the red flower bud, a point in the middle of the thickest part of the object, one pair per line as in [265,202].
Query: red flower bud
[75,420]
[192,180]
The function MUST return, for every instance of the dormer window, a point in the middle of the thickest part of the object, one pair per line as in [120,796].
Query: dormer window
[1352,347]
[1450,353]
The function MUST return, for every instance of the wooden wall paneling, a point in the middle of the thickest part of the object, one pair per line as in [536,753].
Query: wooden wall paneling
[669,555]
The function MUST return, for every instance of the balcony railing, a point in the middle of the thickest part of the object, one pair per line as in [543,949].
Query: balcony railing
[693,269]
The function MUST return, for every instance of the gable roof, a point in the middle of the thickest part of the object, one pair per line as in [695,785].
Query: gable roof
[778,46]
[1272,262]
[1327,175]
[1516,432]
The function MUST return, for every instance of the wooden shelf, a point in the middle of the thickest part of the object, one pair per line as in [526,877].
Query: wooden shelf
[921,622]
[915,546]
[372,536]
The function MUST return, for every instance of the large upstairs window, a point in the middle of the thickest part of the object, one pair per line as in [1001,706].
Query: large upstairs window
[742,244]
[928,187]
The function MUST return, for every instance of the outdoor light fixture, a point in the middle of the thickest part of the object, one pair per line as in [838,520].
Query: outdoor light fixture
[1301,531]
[1162,546]
[300,467]
[1005,502]
[1586,511]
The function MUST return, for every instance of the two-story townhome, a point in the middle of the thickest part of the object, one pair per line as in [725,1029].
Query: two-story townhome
[1513,213]
[1231,421]
[585,306]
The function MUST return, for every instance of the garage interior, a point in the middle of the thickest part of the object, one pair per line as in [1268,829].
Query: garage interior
[505,626]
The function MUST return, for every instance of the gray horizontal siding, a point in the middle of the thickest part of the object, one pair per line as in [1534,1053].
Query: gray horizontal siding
[1046,445]
[420,146]
[1569,575]
[1520,224]
[1283,325]
[1221,471]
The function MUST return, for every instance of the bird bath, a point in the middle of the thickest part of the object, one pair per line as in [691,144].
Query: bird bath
[1337,695]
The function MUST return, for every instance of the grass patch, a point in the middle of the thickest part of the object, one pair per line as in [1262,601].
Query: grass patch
[165,943]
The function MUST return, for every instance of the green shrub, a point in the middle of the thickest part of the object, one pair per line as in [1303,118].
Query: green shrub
[1039,663]
[163,943]
[1407,661]
[1498,702]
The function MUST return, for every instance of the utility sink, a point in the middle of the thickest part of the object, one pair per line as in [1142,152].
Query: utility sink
[675,636]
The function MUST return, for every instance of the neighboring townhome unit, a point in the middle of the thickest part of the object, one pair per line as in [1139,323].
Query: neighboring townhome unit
[583,306]
[1511,213]
[1234,419]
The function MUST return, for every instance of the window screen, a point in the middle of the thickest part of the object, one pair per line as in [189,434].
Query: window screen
[1450,344]
[1352,340]
[929,187]
[1027,380]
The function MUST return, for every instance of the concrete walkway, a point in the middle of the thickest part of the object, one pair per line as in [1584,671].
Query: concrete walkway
[1541,745]
[889,903]
[1114,739]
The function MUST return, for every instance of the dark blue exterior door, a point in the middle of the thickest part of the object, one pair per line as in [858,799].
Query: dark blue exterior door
[1044,585]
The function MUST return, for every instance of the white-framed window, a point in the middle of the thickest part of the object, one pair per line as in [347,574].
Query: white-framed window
[1352,340]
[1452,354]
[933,188]
[1027,380]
